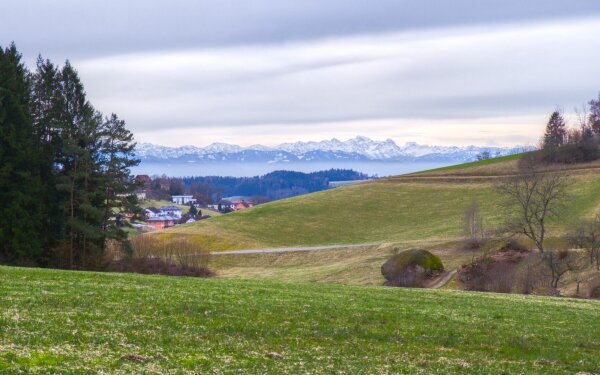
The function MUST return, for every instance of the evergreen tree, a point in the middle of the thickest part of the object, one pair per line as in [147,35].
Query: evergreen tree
[117,158]
[193,210]
[45,110]
[64,171]
[555,131]
[79,178]
[21,185]
[594,119]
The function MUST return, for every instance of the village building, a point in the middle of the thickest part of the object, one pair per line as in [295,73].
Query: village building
[183,199]
[240,205]
[171,211]
[151,212]
[162,222]
[187,218]
[237,203]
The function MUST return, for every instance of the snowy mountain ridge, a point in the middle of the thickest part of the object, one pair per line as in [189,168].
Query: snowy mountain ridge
[359,148]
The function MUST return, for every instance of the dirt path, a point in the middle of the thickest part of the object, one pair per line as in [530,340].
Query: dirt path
[288,249]
[444,280]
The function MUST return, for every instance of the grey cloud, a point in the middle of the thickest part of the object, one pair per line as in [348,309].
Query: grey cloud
[226,67]
[71,28]
[470,74]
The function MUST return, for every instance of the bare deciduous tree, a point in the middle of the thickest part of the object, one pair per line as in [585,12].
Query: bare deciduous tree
[473,222]
[532,198]
[587,236]
[561,262]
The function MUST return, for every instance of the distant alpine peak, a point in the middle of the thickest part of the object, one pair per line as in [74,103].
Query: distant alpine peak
[357,148]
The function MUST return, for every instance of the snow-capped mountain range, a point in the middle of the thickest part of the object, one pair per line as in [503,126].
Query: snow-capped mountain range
[356,149]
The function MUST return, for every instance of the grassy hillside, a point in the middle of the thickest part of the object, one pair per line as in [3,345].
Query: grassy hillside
[356,265]
[471,165]
[400,209]
[78,322]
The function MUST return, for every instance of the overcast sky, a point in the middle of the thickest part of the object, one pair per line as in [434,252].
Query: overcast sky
[245,72]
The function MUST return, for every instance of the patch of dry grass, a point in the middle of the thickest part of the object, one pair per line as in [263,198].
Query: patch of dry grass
[357,265]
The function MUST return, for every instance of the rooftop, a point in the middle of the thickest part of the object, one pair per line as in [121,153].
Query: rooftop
[163,218]
[170,208]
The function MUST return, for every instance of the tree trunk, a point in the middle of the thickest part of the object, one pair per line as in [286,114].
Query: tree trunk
[72,204]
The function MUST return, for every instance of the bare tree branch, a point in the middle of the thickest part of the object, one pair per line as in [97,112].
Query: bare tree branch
[531,199]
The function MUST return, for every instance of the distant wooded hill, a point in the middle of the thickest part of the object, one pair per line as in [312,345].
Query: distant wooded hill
[272,186]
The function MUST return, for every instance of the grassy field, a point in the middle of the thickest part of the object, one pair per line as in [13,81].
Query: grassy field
[478,163]
[78,322]
[357,265]
[411,211]
[386,211]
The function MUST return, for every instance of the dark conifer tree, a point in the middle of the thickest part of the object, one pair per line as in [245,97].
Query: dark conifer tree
[117,150]
[64,171]
[45,110]
[556,131]
[79,178]
[21,186]
[594,120]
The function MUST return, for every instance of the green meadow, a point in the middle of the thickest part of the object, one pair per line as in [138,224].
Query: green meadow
[83,322]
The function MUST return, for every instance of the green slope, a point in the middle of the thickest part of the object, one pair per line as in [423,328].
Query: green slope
[427,209]
[478,163]
[78,322]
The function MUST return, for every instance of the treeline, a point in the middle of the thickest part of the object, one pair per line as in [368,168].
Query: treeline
[64,168]
[272,186]
[563,144]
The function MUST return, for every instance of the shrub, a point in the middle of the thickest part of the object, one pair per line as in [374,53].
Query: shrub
[411,268]
[484,276]
[595,292]
[581,147]
[532,276]
[177,257]
[497,270]
[473,244]
[90,258]
[157,266]
[514,245]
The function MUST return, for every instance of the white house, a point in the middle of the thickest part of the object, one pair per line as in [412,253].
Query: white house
[171,211]
[183,199]
[151,212]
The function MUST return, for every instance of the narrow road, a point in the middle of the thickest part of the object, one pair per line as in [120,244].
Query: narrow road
[440,283]
[289,249]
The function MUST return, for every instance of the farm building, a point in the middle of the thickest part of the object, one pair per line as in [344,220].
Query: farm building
[183,199]
[170,211]
[162,222]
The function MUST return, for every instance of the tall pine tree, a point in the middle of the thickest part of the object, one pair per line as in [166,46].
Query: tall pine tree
[556,131]
[21,185]
[79,175]
[46,102]
[594,118]
[117,159]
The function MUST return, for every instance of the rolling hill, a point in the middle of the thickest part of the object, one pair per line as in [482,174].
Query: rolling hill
[84,322]
[419,207]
